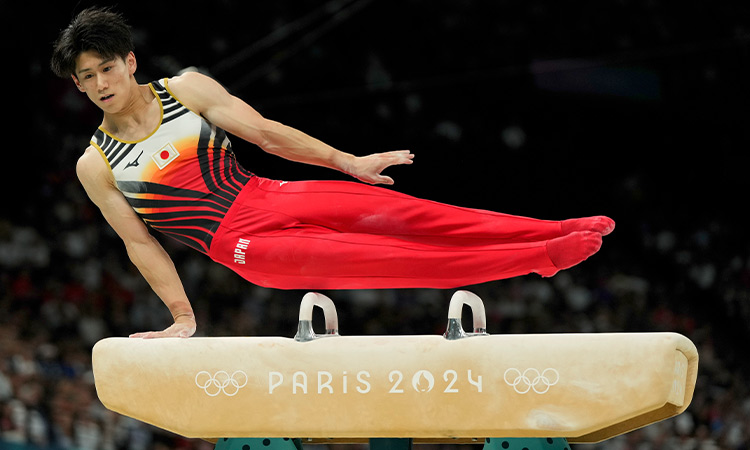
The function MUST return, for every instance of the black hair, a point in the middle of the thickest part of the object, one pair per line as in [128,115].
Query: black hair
[94,29]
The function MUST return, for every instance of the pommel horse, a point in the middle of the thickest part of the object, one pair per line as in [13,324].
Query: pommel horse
[534,391]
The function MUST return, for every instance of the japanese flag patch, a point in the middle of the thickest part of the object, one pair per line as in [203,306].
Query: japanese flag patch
[165,155]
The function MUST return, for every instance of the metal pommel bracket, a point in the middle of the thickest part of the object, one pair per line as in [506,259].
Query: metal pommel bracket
[305,331]
[455,329]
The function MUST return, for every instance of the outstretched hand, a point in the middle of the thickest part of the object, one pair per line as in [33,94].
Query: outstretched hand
[368,168]
[184,328]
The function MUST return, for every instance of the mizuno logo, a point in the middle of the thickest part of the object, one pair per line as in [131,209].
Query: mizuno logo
[134,163]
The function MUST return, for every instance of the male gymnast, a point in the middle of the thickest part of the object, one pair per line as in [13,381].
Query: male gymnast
[161,159]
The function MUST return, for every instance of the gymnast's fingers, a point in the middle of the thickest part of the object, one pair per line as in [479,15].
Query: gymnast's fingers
[401,156]
[180,330]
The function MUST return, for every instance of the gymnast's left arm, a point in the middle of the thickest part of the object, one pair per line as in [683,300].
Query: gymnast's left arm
[207,97]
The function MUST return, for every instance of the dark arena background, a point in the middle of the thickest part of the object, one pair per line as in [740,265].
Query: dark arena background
[636,109]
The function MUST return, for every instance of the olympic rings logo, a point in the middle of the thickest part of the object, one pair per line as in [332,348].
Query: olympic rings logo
[221,382]
[523,382]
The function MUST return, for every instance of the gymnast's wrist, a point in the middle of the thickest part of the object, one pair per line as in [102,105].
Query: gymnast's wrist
[345,163]
[183,317]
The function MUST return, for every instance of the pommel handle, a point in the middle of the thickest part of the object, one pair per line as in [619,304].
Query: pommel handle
[455,329]
[305,331]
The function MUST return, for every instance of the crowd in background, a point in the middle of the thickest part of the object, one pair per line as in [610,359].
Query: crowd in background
[53,313]
[628,117]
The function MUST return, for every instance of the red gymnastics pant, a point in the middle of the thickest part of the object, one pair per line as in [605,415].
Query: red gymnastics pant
[348,235]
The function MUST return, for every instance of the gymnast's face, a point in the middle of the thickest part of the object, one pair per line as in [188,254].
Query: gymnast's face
[106,81]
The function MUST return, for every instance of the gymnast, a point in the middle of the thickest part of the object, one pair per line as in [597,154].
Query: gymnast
[161,159]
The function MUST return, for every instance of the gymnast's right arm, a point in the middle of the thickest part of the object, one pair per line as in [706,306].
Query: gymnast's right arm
[143,249]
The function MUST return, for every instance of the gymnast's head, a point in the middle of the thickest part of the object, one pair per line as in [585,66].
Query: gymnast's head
[96,42]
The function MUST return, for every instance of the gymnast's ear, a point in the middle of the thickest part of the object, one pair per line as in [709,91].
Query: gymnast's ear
[131,63]
[77,83]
